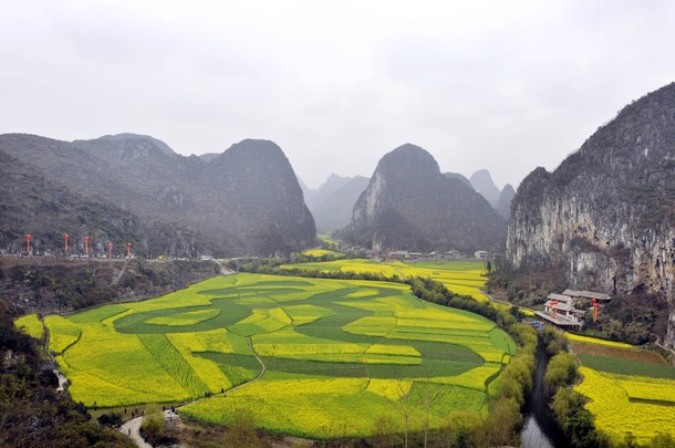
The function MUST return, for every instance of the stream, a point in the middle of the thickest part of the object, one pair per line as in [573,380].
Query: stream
[540,429]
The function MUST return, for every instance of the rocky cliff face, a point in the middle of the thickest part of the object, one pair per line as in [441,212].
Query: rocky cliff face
[244,201]
[410,205]
[607,213]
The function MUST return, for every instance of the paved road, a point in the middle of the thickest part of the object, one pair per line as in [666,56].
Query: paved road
[132,429]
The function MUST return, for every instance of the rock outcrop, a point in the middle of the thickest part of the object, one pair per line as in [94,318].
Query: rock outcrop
[410,205]
[607,213]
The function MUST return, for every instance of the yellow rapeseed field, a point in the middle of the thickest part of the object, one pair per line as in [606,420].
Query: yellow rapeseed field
[597,341]
[612,407]
[337,353]
[31,325]
[461,277]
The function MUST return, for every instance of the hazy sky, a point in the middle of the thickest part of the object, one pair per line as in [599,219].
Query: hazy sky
[502,85]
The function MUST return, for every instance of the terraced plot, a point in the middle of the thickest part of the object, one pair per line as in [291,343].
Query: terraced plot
[625,384]
[31,325]
[337,354]
[460,277]
[318,253]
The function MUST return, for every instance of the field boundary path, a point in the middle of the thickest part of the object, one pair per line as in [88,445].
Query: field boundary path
[263,369]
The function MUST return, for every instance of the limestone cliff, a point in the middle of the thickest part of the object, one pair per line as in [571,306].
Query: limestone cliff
[607,213]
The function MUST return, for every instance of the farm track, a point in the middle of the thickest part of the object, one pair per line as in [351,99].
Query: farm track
[263,369]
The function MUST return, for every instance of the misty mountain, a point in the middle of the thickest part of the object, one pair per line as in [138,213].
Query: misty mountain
[335,211]
[459,176]
[209,156]
[303,186]
[482,182]
[244,201]
[315,197]
[409,204]
[503,206]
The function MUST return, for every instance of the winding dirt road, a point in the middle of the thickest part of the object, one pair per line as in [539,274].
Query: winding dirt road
[132,428]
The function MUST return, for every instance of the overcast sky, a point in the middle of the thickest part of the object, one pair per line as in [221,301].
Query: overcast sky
[502,85]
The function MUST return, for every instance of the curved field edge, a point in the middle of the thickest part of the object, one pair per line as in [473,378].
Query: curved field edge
[625,383]
[612,402]
[361,333]
[460,277]
[31,325]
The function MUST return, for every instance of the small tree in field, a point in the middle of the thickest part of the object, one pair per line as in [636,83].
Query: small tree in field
[402,407]
[384,432]
[241,431]
[153,422]
[429,397]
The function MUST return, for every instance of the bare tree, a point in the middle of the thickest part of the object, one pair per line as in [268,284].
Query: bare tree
[429,397]
[385,432]
[403,409]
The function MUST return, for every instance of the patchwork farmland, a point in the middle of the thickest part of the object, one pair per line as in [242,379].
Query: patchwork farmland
[311,357]
[626,384]
[461,277]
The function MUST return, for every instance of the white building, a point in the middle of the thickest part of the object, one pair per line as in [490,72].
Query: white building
[481,254]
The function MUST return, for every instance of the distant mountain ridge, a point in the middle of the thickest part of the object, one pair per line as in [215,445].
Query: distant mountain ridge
[482,182]
[315,197]
[244,201]
[506,196]
[409,204]
[335,211]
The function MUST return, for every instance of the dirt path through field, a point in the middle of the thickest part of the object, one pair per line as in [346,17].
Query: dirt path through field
[132,428]
[263,369]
